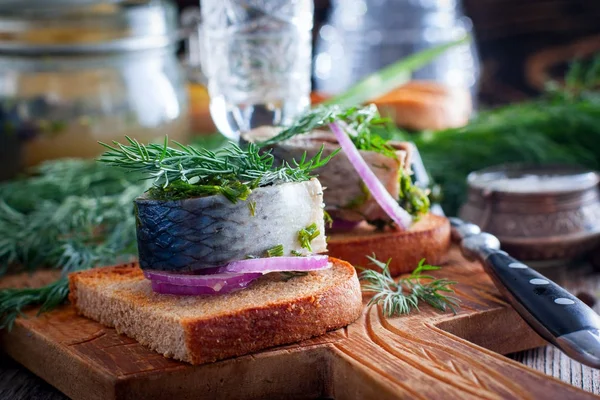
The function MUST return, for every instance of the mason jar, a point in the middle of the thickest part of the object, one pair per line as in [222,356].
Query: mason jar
[74,73]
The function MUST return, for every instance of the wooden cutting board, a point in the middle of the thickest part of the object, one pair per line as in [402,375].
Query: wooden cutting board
[426,355]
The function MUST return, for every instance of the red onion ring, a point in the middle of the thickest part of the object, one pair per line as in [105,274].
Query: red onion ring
[391,207]
[278,264]
[214,282]
[183,290]
[234,276]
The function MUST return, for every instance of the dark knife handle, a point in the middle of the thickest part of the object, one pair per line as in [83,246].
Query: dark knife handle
[556,309]
[553,312]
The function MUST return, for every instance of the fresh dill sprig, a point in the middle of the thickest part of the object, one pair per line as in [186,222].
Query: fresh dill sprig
[82,216]
[361,122]
[307,235]
[14,301]
[187,171]
[275,251]
[402,296]
[67,214]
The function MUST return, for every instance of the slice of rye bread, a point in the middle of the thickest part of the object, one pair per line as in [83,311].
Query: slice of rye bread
[200,329]
[428,238]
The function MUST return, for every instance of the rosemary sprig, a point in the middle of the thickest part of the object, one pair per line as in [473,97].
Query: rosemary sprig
[361,122]
[187,171]
[402,296]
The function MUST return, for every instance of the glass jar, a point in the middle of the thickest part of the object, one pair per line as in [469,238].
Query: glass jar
[361,37]
[75,73]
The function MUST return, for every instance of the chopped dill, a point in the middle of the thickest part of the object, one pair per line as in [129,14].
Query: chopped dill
[252,208]
[307,235]
[275,251]
[327,219]
[411,197]
[287,275]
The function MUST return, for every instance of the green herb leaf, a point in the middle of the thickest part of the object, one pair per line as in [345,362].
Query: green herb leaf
[390,77]
[275,251]
[14,301]
[287,275]
[402,296]
[252,208]
[188,171]
[296,253]
[327,219]
[307,235]
[411,197]
[362,121]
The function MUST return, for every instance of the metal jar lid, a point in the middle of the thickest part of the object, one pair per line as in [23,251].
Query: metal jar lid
[47,27]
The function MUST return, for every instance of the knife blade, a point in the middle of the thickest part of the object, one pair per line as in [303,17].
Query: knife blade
[554,313]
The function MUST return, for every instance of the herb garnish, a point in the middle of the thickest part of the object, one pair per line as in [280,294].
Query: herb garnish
[13,301]
[411,197]
[327,219]
[296,253]
[307,235]
[275,251]
[69,214]
[402,296]
[252,208]
[187,171]
[360,121]
[287,275]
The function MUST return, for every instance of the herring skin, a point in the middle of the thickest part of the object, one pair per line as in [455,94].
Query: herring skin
[205,232]
[346,197]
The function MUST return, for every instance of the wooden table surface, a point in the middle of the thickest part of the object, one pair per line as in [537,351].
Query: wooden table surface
[19,384]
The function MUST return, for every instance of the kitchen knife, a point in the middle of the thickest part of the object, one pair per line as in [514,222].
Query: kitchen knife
[554,313]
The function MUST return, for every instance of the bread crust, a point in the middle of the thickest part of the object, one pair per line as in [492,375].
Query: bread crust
[214,337]
[427,105]
[428,238]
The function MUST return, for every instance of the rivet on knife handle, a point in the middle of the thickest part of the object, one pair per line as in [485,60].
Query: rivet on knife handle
[552,311]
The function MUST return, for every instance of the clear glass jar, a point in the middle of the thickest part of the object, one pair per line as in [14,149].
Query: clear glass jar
[359,40]
[65,85]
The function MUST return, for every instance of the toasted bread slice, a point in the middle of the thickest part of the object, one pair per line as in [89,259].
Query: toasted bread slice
[428,238]
[200,329]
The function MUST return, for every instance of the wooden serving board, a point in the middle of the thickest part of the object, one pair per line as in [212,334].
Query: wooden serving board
[426,355]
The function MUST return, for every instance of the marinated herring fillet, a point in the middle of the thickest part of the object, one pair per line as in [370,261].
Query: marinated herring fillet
[204,232]
[346,197]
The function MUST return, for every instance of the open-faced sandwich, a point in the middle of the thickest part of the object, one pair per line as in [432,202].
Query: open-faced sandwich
[369,193]
[229,257]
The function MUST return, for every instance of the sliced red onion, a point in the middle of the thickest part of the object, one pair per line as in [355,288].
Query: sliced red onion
[184,290]
[391,207]
[214,282]
[278,264]
[236,275]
